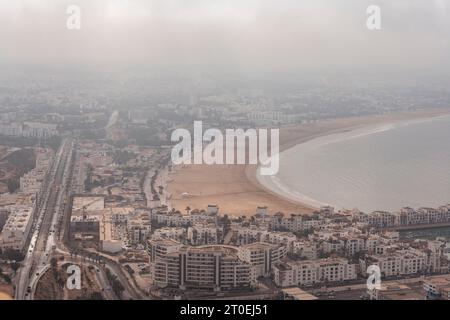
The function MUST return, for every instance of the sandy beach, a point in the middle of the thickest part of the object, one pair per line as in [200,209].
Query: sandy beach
[235,189]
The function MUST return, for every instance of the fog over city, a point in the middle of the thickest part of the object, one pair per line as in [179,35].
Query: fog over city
[234,36]
[244,150]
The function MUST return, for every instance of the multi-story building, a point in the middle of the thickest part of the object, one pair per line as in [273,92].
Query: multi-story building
[305,249]
[211,267]
[174,233]
[204,233]
[405,217]
[176,219]
[165,261]
[311,272]
[353,245]
[138,228]
[17,227]
[262,256]
[332,244]
[379,219]
[398,262]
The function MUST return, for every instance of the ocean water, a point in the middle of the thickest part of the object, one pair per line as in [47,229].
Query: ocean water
[383,167]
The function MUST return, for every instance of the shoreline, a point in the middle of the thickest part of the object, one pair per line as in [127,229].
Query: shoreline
[236,189]
[371,128]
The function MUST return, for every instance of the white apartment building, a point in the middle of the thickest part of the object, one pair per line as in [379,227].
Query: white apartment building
[174,233]
[292,223]
[164,261]
[379,219]
[398,262]
[372,242]
[247,235]
[310,272]
[332,245]
[262,256]
[204,233]
[353,245]
[17,227]
[406,216]
[305,249]
[176,219]
[286,238]
[210,268]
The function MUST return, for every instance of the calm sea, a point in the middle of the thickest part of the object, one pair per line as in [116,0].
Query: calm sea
[375,168]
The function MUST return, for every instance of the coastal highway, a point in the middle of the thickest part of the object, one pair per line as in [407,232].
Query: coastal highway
[43,233]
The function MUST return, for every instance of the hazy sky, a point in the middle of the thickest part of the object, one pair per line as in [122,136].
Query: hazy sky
[248,35]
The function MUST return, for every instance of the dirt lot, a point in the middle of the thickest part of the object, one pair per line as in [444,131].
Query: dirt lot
[52,285]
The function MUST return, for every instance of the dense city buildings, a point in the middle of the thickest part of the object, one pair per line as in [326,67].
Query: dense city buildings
[90,177]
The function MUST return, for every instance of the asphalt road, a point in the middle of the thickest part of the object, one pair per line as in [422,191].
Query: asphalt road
[43,233]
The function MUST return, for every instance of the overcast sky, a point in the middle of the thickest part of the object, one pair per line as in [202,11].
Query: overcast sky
[248,35]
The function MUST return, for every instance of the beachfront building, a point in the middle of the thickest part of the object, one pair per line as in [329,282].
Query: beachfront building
[262,211]
[295,222]
[405,217]
[379,219]
[177,219]
[212,209]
